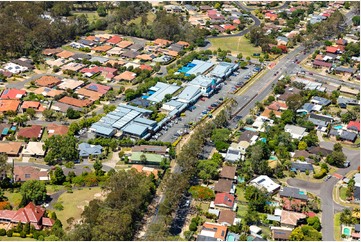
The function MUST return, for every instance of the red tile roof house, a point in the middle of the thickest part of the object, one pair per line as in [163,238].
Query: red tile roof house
[115,39]
[225,201]
[278,106]
[227,218]
[29,214]
[354,125]
[76,102]
[229,27]
[34,105]
[26,173]
[318,63]
[332,49]
[54,129]
[33,132]
[98,88]
[105,71]
[12,94]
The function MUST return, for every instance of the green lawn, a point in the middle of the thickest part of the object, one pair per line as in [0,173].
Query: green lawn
[235,45]
[150,17]
[14,198]
[337,226]
[242,210]
[5,238]
[53,188]
[240,194]
[343,193]
[74,203]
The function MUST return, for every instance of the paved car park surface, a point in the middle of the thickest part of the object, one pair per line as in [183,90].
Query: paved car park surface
[169,134]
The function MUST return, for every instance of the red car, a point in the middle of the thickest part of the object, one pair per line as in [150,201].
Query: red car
[203,99]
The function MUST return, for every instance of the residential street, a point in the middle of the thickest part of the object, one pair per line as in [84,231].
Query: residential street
[324,191]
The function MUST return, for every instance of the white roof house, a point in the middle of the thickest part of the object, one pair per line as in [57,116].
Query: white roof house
[14,68]
[265,182]
[34,149]
[296,131]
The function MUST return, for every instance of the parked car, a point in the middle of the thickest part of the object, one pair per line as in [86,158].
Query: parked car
[203,99]
[220,99]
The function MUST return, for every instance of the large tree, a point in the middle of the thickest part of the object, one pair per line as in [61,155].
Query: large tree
[33,191]
[60,148]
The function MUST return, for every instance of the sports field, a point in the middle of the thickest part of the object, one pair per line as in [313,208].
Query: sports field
[235,45]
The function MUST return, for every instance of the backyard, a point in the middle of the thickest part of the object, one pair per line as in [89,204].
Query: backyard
[74,203]
[5,238]
[14,198]
[235,45]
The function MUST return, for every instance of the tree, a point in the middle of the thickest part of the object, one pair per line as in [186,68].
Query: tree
[60,148]
[356,20]
[30,112]
[102,12]
[294,102]
[336,158]
[256,198]
[49,114]
[33,191]
[337,147]
[72,114]
[4,166]
[98,168]
[288,117]
[202,193]
[305,233]
[302,145]
[243,64]
[208,169]
[314,222]
[346,217]
[57,176]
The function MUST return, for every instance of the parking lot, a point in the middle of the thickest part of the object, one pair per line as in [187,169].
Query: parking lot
[170,134]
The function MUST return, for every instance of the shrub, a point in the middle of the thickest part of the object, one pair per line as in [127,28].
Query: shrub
[320,174]
[2,232]
[58,206]
[193,226]
[22,234]
[9,233]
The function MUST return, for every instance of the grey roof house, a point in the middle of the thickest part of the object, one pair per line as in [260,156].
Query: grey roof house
[320,101]
[343,102]
[86,149]
[293,193]
[301,166]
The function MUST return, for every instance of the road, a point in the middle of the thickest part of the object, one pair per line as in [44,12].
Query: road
[324,191]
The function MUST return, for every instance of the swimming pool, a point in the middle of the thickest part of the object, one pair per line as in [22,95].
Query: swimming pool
[264,140]
[230,237]
[250,129]
[347,231]
[273,157]
[337,127]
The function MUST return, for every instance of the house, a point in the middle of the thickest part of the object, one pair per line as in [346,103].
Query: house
[354,126]
[27,173]
[301,166]
[341,42]
[55,129]
[125,76]
[102,89]
[224,186]
[24,63]
[308,108]
[343,102]
[12,94]
[233,153]
[91,95]
[70,84]
[48,92]
[271,16]
[227,217]
[157,93]
[277,106]
[293,199]
[115,39]
[356,234]
[86,150]
[146,170]
[124,44]
[50,52]
[76,102]
[266,114]
[9,105]
[11,148]
[34,149]
[319,63]
[102,48]
[255,230]
[266,183]
[228,172]
[301,153]
[162,42]
[291,219]
[348,136]
[37,106]
[32,132]
[281,40]
[326,118]
[348,90]
[295,131]
[317,150]
[214,230]
[343,70]
[145,158]
[183,43]
[225,201]
[289,91]
[65,54]
[320,101]
[14,68]
[281,233]
[160,150]
[72,66]
[35,215]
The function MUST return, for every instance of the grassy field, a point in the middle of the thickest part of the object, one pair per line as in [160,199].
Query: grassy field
[150,17]
[337,226]
[236,45]
[91,16]
[14,198]
[74,203]
[240,194]
[5,238]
